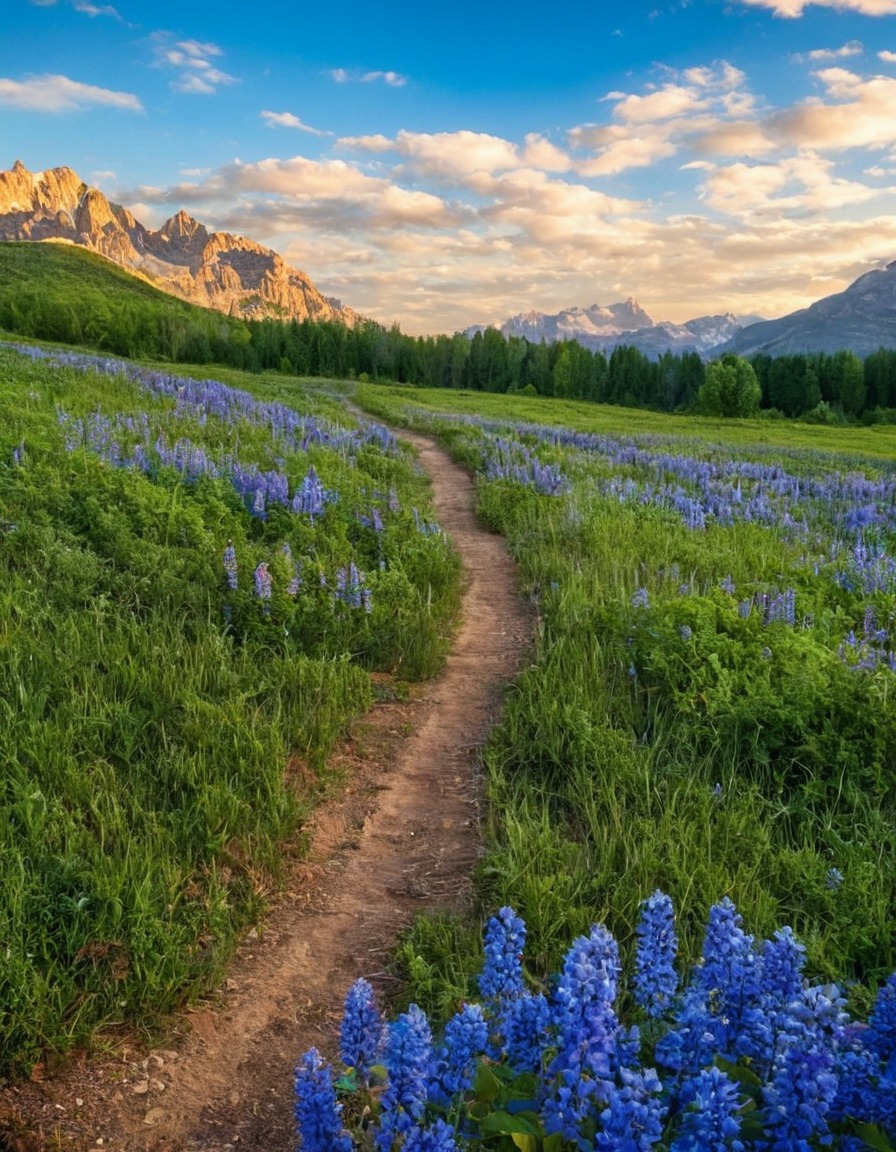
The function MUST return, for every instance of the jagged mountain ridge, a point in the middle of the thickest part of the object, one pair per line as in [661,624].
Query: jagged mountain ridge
[217,270]
[862,318]
[604,327]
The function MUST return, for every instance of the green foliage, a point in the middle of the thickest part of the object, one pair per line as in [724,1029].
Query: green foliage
[730,388]
[159,759]
[685,746]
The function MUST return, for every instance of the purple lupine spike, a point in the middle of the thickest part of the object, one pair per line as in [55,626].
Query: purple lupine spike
[230,566]
[361,1035]
[656,980]
[318,1115]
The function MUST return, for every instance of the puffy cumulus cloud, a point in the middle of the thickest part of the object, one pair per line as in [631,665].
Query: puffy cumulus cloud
[194,61]
[656,125]
[794,8]
[289,120]
[857,114]
[803,184]
[456,157]
[666,102]
[273,196]
[887,57]
[61,94]
[449,155]
[736,138]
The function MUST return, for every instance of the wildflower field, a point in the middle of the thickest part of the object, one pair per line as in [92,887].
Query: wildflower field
[196,585]
[709,717]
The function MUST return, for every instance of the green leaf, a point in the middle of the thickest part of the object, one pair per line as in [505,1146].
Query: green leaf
[873,1137]
[486,1086]
[553,1143]
[525,1143]
[499,1122]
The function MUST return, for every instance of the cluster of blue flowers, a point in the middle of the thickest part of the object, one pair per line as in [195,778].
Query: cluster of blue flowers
[747,1054]
[349,586]
[259,488]
[200,400]
[512,460]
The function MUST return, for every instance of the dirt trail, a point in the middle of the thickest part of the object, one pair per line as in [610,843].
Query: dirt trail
[402,839]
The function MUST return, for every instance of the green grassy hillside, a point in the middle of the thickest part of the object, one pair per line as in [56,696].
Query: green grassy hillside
[194,588]
[61,292]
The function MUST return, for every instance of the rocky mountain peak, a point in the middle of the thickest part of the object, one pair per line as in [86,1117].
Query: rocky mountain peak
[214,270]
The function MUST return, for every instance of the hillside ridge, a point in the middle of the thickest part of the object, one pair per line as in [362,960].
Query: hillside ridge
[216,270]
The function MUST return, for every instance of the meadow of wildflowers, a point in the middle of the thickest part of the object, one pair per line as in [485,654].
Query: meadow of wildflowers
[711,705]
[740,1051]
[195,586]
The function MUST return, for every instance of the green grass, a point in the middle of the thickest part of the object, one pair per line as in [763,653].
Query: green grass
[602,777]
[152,718]
[398,403]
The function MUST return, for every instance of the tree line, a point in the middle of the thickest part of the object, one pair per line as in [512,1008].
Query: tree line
[129,318]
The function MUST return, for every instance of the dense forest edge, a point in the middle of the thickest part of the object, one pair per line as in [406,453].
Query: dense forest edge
[60,293]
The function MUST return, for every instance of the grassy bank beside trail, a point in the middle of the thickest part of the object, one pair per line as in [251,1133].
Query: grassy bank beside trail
[195,583]
[711,709]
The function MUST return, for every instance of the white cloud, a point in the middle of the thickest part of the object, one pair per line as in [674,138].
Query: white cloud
[804,184]
[887,57]
[654,126]
[193,61]
[820,55]
[98,10]
[393,79]
[452,157]
[288,120]
[862,116]
[61,94]
[346,76]
[794,8]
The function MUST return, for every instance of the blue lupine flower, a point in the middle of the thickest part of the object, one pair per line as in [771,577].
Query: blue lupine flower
[641,598]
[437,1137]
[407,1059]
[656,980]
[263,582]
[502,973]
[588,1034]
[230,566]
[523,1024]
[798,1099]
[465,1039]
[633,1118]
[834,879]
[729,977]
[783,958]
[361,1035]
[711,1121]
[685,632]
[318,1115]
[882,1021]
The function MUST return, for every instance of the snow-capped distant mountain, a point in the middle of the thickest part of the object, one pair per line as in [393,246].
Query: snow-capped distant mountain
[603,328]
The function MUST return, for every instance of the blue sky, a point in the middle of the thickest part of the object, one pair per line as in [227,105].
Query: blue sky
[444,165]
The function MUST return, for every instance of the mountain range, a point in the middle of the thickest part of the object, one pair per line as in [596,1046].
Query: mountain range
[237,276]
[603,328]
[213,269]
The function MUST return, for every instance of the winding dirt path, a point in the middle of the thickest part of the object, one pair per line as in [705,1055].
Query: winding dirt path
[402,838]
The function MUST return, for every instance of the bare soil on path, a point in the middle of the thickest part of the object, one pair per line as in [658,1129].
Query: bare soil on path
[399,838]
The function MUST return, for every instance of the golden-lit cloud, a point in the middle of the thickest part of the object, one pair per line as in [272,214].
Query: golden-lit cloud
[794,8]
